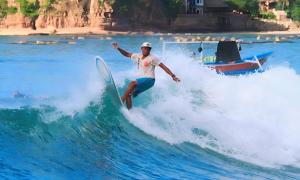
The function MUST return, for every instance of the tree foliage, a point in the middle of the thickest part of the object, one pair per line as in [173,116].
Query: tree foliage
[267,15]
[4,9]
[245,6]
[123,7]
[172,7]
[294,10]
[282,4]
[29,9]
[47,4]
[128,7]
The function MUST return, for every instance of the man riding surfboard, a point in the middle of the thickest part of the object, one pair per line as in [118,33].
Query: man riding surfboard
[146,63]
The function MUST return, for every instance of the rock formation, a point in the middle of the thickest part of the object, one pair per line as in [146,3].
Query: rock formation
[61,14]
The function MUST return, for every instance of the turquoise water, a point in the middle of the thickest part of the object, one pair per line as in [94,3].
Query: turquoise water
[65,125]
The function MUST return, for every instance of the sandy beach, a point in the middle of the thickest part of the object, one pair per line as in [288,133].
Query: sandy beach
[99,31]
[65,31]
[289,32]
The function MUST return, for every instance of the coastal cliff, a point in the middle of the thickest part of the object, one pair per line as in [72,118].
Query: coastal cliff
[92,16]
[57,14]
[41,14]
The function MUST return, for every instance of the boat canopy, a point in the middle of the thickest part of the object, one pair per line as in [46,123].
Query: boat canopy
[227,51]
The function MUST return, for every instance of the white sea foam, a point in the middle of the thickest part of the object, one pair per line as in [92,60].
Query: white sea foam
[254,118]
[81,95]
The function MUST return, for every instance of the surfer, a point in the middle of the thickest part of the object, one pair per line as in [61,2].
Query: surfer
[146,64]
[19,95]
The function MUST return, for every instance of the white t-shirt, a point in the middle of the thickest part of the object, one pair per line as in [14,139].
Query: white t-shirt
[147,65]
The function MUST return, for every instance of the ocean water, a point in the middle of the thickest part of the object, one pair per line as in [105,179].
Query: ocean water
[57,120]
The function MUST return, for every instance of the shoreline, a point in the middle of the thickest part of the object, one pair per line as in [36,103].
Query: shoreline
[98,31]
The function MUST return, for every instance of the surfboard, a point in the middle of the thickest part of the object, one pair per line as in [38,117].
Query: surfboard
[106,74]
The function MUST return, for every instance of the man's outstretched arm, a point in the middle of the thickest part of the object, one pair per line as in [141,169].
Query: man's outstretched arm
[168,71]
[122,51]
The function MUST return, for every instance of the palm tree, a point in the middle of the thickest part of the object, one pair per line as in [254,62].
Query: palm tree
[285,3]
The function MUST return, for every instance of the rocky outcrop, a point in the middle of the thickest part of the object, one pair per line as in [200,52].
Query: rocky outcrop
[99,15]
[142,15]
[16,21]
[62,14]
[91,13]
[95,13]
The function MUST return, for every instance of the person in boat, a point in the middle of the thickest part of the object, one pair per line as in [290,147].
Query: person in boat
[146,64]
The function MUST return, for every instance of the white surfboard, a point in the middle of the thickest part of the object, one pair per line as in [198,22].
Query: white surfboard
[105,73]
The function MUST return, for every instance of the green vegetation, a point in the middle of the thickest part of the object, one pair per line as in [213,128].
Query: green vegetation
[294,10]
[172,7]
[133,8]
[124,7]
[47,4]
[245,6]
[129,7]
[267,15]
[5,10]
[29,9]
[111,2]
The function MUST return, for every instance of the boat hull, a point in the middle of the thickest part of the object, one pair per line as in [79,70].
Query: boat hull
[246,65]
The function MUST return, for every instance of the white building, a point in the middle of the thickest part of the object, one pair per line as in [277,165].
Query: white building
[205,6]
[194,6]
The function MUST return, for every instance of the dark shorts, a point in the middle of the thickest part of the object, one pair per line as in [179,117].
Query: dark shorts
[143,84]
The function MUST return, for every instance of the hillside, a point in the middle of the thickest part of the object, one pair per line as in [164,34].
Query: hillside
[85,13]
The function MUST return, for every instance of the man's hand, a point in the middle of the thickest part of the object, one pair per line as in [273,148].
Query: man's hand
[167,70]
[123,52]
[176,79]
[115,45]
